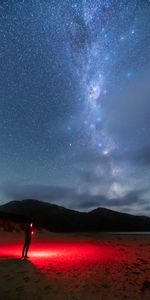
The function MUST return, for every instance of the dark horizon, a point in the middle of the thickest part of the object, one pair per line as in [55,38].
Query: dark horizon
[73,209]
[75,106]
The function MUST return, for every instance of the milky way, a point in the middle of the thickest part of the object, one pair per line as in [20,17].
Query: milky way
[75,107]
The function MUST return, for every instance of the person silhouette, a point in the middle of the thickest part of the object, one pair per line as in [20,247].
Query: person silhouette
[28,233]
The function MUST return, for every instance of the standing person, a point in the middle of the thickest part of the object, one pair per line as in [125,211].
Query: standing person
[28,232]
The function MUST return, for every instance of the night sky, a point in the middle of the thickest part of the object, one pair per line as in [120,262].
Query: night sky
[75,103]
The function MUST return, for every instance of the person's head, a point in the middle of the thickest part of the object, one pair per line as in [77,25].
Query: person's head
[27,224]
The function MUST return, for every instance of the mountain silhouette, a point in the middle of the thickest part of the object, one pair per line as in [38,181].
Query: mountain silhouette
[57,218]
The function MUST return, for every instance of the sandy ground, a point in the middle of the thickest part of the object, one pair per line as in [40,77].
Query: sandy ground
[75,266]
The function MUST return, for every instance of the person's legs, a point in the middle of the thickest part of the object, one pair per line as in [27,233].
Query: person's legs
[27,248]
[23,250]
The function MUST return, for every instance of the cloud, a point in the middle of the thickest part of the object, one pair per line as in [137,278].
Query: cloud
[89,201]
[72,199]
[113,175]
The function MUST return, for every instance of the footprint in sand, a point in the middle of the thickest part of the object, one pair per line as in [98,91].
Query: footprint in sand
[26,279]
[142,261]
[37,281]
[8,277]
[136,272]
[146,286]
[47,287]
[19,288]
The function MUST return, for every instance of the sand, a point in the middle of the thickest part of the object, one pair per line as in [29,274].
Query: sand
[75,266]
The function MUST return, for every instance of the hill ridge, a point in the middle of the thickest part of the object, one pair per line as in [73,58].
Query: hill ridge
[58,218]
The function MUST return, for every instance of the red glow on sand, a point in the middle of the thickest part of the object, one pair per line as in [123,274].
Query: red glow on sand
[66,252]
[76,259]
[77,267]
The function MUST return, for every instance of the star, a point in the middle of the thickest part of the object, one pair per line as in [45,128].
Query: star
[74,83]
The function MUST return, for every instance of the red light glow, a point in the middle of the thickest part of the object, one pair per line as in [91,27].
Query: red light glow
[83,267]
[67,252]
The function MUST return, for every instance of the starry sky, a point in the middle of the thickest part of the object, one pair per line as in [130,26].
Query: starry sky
[75,103]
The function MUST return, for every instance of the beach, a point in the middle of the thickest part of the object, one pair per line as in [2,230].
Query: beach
[88,266]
